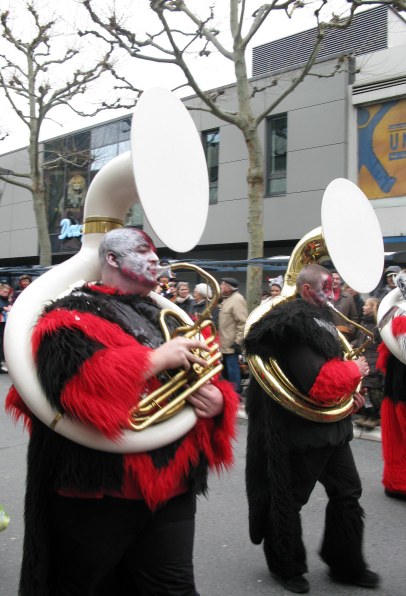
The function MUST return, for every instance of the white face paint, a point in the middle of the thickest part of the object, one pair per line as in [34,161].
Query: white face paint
[322,291]
[140,262]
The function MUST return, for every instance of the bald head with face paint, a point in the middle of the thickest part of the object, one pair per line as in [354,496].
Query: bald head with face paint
[315,285]
[128,261]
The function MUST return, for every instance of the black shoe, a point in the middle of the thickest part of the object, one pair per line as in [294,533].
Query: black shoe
[297,583]
[3,371]
[369,579]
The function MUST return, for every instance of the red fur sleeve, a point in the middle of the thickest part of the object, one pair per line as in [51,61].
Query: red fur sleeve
[107,385]
[110,381]
[336,378]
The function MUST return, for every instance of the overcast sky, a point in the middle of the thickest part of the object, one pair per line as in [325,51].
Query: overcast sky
[211,73]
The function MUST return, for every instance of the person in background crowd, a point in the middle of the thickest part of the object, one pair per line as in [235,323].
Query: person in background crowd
[99,523]
[390,274]
[275,286]
[232,318]
[201,295]
[5,307]
[369,416]
[183,297]
[358,301]
[23,282]
[164,263]
[287,454]
[275,290]
[393,408]
[344,303]
[166,286]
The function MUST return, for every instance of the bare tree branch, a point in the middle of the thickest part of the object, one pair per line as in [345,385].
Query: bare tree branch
[30,80]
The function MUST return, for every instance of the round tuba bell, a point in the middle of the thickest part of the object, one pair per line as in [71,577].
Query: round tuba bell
[351,238]
[166,171]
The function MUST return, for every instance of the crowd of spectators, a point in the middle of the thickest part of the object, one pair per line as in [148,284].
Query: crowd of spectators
[8,296]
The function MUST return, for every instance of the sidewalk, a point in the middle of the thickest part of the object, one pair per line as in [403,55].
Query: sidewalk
[359,433]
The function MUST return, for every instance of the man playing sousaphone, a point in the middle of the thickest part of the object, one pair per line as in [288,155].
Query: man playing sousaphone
[287,454]
[101,523]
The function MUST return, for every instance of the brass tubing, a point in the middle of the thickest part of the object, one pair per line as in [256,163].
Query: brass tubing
[180,399]
[310,249]
[159,404]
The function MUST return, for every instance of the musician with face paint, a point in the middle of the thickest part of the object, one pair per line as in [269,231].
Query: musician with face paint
[104,523]
[287,454]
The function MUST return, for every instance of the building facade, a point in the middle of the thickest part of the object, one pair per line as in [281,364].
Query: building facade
[350,125]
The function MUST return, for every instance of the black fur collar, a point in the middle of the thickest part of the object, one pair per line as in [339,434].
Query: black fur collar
[290,323]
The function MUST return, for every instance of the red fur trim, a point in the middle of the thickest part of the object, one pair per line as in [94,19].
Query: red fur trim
[16,408]
[383,356]
[336,378]
[393,428]
[104,289]
[399,326]
[211,437]
[225,425]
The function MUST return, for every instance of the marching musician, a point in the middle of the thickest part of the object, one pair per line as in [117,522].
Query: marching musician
[99,523]
[287,454]
[393,408]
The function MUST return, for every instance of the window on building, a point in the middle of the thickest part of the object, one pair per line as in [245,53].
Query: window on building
[211,144]
[277,133]
[70,164]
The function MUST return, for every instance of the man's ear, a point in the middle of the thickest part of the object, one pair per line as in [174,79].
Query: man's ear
[111,259]
[306,290]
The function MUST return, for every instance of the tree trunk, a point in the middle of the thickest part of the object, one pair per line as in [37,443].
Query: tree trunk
[44,241]
[255,180]
[255,175]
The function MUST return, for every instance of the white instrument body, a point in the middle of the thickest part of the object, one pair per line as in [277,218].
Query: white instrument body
[118,185]
[391,301]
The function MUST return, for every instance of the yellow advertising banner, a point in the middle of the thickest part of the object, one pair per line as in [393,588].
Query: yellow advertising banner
[382,149]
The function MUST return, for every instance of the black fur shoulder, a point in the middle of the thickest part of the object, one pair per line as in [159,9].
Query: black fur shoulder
[290,323]
[90,299]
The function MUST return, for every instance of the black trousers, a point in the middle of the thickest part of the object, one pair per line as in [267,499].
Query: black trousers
[341,546]
[102,547]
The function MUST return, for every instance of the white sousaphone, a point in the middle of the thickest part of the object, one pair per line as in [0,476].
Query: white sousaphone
[166,171]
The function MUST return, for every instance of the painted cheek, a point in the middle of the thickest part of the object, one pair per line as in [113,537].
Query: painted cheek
[134,268]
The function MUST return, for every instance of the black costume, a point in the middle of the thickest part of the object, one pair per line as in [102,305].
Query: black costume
[92,348]
[287,454]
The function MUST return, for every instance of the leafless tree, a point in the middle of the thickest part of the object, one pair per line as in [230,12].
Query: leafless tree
[181,32]
[39,72]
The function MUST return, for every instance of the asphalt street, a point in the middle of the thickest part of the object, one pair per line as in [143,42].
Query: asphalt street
[226,563]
